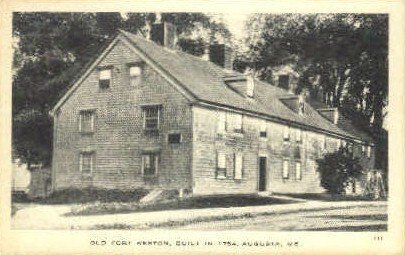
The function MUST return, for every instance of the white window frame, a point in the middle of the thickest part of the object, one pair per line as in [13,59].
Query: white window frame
[81,115]
[286,169]
[238,166]
[220,165]
[91,155]
[298,170]
[132,75]
[156,155]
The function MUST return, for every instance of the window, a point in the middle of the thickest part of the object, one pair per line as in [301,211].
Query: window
[221,166]
[86,162]
[238,166]
[363,148]
[298,135]
[104,78]
[285,169]
[135,73]
[286,134]
[368,151]
[263,129]
[235,121]
[86,121]
[221,123]
[151,116]
[174,138]
[150,164]
[284,81]
[298,174]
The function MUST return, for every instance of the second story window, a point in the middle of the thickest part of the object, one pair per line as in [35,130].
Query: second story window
[235,122]
[221,128]
[298,135]
[104,80]
[286,134]
[151,117]
[263,129]
[135,73]
[86,121]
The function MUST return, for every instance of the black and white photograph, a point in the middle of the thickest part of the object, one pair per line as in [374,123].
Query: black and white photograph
[200,121]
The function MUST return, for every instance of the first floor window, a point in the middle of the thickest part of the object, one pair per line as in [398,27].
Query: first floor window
[298,174]
[221,166]
[285,169]
[86,162]
[150,164]
[104,78]
[238,166]
[151,115]
[86,124]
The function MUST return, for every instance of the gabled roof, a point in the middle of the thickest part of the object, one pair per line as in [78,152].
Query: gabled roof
[205,82]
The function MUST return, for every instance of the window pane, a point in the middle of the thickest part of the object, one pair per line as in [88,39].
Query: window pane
[86,163]
[151,117]
[221,160]
[135,71]
[86,121]
[105,74]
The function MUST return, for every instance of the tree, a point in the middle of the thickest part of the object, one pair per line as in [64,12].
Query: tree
[52,48]
[348,52]
[337,170]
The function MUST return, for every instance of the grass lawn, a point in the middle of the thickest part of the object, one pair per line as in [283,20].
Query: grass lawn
[175,204]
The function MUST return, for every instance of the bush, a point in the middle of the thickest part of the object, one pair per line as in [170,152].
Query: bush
[337,170]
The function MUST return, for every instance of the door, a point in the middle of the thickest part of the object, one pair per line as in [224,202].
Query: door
[262,173]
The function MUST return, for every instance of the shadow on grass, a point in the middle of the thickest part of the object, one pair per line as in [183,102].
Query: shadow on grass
[328,197]
[380,217]
[177,204]
[374,227]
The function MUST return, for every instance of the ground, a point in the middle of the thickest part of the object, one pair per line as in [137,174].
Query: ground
[275,213]
[348,219]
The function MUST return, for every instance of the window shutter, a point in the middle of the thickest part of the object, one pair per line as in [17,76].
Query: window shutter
[143,165]
[285,169]
[238,166]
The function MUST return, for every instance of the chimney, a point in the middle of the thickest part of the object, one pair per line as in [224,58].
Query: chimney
[221,55]
[164,33]
[242,84]
[332,114]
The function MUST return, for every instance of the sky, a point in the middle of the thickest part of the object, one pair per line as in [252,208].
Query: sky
[235,23]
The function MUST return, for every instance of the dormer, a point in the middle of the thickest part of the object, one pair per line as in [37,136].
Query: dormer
[295,103]
[242,84]
[332,114]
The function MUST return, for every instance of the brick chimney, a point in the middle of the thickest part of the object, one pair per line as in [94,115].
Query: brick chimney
[221,55]
[164,33]
[332,114]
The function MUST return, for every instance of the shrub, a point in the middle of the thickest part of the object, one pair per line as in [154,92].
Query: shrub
[337,170]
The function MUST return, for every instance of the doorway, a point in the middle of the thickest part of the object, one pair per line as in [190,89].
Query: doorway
[262,173]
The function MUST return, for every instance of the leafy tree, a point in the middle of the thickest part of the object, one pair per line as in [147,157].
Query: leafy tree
[337,170]
[348,52]
[51,48]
